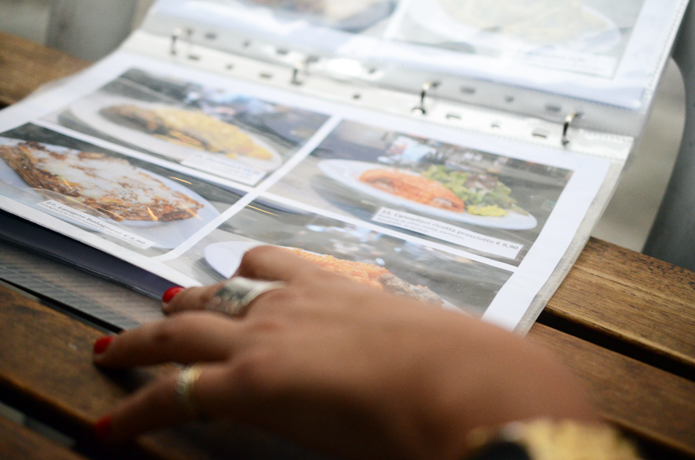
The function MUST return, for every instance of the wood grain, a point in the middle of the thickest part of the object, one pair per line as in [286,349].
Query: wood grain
[46,357]
[19,443]
[46,370]
[25,65]
[656,404]
[633,297]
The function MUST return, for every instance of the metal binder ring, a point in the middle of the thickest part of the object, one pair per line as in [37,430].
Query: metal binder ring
[423,94]
[298,67]
[569,119]
[176,36]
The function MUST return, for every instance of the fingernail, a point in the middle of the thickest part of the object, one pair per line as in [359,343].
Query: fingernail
[170,294]
[102,344]
[102,427]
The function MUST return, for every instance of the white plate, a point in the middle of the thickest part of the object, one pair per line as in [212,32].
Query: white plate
[165,234]
[431,15]
[225,257]
[348,173]
[88,110]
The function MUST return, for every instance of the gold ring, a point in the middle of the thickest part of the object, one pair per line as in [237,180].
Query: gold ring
[185,391]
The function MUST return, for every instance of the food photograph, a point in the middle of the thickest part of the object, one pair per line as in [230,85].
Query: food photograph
[495,27]
[89,186]
[367,257]
[360,169]
[356,16]
[219,131]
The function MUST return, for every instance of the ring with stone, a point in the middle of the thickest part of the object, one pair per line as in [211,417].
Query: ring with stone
[236,294]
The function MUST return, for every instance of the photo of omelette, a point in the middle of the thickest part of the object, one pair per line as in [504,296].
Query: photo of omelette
[188,128]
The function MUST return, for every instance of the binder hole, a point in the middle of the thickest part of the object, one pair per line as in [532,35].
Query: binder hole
[266,75]
[194,57]
[356,96]
[553,108]
[230,67]
[453,116]
[282,51]
[211,35]
[468,90]
[541,134]
[371,70]
[509,99]
[495,126]
[246,44]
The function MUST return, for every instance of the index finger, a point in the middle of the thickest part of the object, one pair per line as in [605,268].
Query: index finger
[273,264]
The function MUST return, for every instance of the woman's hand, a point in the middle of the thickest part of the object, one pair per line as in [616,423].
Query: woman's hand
[339,367]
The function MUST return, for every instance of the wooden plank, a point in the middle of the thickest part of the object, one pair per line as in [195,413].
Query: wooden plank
[25,65]
[657,405]
[46,369]
[19,443]
[46,357]
[635,298]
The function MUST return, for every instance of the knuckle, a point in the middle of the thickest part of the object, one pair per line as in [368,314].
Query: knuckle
[254,254]
[169,331]
[264,325]
[255,372]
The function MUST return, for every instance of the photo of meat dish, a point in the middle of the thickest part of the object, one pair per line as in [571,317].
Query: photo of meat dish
[440,187]
[109,185]
[371,275]
[436,190]
[189,128]
[414,188]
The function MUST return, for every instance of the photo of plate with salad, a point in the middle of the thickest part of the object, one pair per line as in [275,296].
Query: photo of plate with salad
[473,198]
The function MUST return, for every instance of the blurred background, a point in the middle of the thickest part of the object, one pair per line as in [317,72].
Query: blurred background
[626,222]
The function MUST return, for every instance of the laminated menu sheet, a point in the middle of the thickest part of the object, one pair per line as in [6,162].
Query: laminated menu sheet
[177,158]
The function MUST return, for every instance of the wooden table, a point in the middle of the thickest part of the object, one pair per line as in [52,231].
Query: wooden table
[624,322]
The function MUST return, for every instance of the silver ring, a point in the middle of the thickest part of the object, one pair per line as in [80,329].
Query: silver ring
[185,394]
[237,293]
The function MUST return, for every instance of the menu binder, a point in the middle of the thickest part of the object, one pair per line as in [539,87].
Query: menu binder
[465,148]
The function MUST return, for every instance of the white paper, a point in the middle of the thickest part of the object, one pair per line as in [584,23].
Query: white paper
[316,199]
[234,171]
[446,232]
[617,63]
[95,223]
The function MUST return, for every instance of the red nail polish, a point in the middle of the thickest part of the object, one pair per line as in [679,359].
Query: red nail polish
[102,344]
[102,427]
[170,294]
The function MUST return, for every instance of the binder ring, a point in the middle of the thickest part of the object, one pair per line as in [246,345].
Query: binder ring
[432,84]
[569,119]
[299,66]
[177,35]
